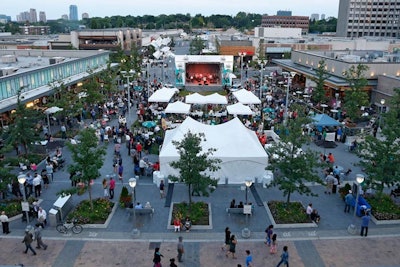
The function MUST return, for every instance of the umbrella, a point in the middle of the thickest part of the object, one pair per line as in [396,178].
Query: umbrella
[49,111]
[149,124]
[267,110]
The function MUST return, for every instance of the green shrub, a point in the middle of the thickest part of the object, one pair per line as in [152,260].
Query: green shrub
[125,198]
[102,208]
[383,207]
[197,212]
[285,213]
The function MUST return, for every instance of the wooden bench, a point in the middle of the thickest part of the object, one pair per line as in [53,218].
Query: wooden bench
[143,211]
[236,211]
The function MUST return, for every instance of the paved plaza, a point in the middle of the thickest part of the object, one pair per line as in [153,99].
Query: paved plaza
[327,245]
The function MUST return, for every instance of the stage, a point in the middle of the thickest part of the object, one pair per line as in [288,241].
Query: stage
[203,88]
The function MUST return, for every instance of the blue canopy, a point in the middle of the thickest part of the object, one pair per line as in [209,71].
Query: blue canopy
[323,120]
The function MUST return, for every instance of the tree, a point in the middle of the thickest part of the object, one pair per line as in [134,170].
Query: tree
[381,156]
[194,165]
[355,95]
[319,94]
[196,46]
[88,158]
[23,129]
[293,166]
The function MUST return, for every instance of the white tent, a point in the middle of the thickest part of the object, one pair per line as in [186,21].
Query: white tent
[216,99]
[178,107]
[195,98]
[246,97]
[239,109]
[239,149]
[163,95]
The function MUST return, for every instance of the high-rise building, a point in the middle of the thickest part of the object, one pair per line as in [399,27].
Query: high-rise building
[24,17]
[42,16]
[322,16]
[314,16]
[32,15]
[73,12]
[358,18]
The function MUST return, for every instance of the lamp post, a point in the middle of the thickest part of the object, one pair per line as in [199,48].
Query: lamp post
[261,62]
[352,227]
[132,184]
[289,83]
[380,117]
[241,54]
[128,75]
[148,78]
[248,183]
[25,206]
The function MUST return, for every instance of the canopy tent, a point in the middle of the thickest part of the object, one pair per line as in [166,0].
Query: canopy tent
[238,148]
[195,98]
[216,99]
[239,109]
[50,111]
[178,107]
[163,95]
[323,120]
[246,97]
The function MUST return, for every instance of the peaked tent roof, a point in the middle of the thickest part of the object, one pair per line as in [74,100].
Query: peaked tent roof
[216,99]
[239,109]
[195,98]
[324,120]
[163,95]
[246,97]
[178,107]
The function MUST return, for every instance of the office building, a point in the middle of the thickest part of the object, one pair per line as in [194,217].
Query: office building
[358,18]
[284,13]
[32,15]
[314,16]
[85,15]
[73,12]
[286,22]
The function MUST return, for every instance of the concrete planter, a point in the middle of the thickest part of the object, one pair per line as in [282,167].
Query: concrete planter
[105,224]
[194,227]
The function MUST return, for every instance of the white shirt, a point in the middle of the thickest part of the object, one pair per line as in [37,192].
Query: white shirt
[142,164]
[42,213]
[3,218]
[37,180]
[309,210]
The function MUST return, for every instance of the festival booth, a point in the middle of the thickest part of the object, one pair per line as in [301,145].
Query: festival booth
[216,99]
[178,107]
[246,97]
[323,120]
[241,153]
[239,109]
[195,98]
[163,95]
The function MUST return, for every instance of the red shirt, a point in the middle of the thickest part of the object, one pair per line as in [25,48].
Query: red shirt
[139,147]
[112,184]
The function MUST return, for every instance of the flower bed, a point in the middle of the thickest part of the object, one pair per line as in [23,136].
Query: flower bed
[384,208]
[288,213]
[102,208]
[198,212]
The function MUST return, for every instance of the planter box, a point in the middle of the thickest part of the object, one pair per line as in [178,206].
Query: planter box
[194,227]
[105,224]
[384,222]
[288,225]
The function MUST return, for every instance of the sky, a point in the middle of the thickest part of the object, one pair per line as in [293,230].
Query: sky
[101,8]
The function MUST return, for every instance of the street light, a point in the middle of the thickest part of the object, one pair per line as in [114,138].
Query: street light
[241,54]
[248,183]
[359,180]
[261,62]
[128,75]
[289,83]
[25,206]
[148,78]
[380,117]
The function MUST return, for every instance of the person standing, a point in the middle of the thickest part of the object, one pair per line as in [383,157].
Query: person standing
[180,248]
[63,131]
[162,188]
[349,201]
[284,257]
[105,187]
[38,237]
[28,239]
[364,223]
[249,259]
[5,222]
[157,257]
[112,187]
[120,172]
[232,247]
[50,170]
[37,184]
[227,238]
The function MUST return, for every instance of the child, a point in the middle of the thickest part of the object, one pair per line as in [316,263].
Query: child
[274,244]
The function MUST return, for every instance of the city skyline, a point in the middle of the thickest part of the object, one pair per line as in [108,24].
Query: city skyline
[103,8]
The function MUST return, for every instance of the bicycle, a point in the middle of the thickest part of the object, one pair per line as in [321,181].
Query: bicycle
[73,225]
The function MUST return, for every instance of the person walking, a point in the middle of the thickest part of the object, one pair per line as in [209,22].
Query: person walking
[180,249]
[284,257]
[157,257]
[274,245]
[269,232]
[5,222]
[120,172]
[105,187]
[232,247]
[28,239]
[38,237]
[249,259]
[227,238]
[349,201]
[111,187]
[364,223]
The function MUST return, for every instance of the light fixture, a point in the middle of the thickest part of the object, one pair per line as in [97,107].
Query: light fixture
[132,182]
[21,179]
[382,101]
[360,178]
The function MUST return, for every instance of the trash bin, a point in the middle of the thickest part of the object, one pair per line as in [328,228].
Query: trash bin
[53,217]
